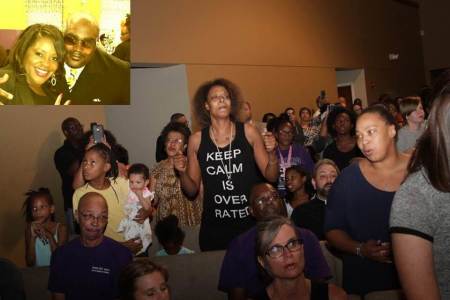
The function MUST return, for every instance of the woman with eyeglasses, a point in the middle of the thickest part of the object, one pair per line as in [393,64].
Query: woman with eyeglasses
[282,263]
[35,61]
[144,280]
[228,157]
[169,198]
[289,154]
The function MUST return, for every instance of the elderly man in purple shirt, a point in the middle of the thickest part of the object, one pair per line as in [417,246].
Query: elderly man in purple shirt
[239,274]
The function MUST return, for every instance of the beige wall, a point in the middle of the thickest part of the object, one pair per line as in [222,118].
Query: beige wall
[29,137]
[251,41]
[269,89]
[345,33]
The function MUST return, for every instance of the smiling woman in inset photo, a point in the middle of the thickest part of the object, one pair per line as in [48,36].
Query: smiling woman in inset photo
[35,60]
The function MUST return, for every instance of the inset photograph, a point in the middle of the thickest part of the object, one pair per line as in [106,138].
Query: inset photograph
[61,52]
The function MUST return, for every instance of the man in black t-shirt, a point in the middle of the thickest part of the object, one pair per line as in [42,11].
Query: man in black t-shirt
[67,161]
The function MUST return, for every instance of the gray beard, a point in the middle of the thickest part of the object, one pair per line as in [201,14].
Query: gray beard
[322,194]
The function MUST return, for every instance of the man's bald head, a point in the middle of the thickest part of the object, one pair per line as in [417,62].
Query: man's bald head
[92,200]
[82,18]
[92,215]
[258,189]
[265,202]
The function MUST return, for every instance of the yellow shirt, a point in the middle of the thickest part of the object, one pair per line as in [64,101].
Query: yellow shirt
[116,197]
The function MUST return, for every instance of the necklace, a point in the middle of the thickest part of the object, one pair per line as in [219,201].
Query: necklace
[227,172]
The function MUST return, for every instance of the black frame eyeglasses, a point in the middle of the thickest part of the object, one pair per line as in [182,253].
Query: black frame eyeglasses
[277,251]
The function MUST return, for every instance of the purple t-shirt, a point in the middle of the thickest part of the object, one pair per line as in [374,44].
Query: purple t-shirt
[88,273]
[299,157]
[240,266]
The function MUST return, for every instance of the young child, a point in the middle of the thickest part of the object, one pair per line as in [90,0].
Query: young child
[138,197]
[171,237]
[42,233]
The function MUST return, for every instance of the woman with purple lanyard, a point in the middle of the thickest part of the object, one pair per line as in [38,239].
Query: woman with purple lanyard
[289,153]
[226,156]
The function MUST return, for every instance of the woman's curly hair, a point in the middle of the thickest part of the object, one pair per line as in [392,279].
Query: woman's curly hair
[201,96]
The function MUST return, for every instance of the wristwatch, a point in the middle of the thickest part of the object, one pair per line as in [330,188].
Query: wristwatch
[358,250]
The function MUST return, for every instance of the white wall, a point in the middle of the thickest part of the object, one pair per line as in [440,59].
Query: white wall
[156,93]
[358,81]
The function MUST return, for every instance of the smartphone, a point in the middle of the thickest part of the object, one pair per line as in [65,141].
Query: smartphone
[97,132]
[331,107]
[322,94]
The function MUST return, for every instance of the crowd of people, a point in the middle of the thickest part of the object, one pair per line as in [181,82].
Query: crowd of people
[47,66]
[266,192]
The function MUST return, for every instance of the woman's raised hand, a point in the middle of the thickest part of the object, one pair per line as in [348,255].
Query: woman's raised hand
[270,143]
[180,162]
[59,99]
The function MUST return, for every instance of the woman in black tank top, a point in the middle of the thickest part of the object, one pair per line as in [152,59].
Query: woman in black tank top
[280,256]
[227,157]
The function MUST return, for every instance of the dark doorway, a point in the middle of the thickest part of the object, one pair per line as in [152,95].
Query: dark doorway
[346,92]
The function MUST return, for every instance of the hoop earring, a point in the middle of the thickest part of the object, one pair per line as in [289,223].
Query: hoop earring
[53,80]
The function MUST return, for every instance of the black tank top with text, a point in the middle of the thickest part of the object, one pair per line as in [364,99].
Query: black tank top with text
[228,174]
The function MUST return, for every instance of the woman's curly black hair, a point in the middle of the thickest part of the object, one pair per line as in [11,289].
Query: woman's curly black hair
[201,96]
[332,116]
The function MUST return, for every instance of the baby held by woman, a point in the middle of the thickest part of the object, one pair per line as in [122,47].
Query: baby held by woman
[138,197]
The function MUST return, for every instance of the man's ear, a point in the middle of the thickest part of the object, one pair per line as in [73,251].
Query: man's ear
[392,131]
[250,210]
[52,209]
[313,181]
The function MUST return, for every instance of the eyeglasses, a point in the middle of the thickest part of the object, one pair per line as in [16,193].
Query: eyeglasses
[72,40]
[217,98]
[285,132]
[261,201]
[91,218]
[175,141]
[276,251]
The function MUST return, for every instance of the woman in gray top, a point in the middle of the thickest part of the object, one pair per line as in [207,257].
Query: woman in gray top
[419,221]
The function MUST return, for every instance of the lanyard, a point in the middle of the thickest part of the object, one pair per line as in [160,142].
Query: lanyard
[285,164]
